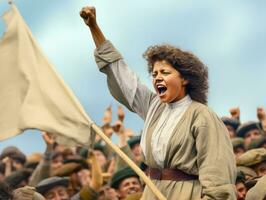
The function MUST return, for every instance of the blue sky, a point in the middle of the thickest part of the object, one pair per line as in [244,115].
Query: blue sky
[228,36]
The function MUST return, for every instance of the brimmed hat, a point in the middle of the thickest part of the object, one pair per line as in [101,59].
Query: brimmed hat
[240,176]
[102,148]
[16,177]
[47,184]
[245,127]
[252,157]
[67,169]
[134,140]
[13,153]
[120,175]
[257,143]
[247,171]
[231,122]
[78,160]
[237,142]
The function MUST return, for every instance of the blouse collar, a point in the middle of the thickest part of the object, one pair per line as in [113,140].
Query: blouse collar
[182,102]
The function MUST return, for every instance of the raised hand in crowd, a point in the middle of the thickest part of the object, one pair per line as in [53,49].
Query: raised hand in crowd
[8,166]
[49,140]
[96,173]
[107,117]
[235,113]
[120,113]
[261,114]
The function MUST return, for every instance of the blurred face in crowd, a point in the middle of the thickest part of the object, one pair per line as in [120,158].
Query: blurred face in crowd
[59,148]
[108,193]
[136,150]
[129,186]
[241,191]
[101,159]
[57,162]
[251,135]
[57,193]
[84,177]
[231,130]
[17,164]
[261,169]
[168,82]
[238,151]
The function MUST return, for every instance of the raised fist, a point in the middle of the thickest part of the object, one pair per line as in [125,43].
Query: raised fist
[89,15]
[261,114]
[235,113]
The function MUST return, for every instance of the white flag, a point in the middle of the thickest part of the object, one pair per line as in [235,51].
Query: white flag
[32,95]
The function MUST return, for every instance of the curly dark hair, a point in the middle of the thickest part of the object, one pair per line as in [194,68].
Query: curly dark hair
[187,64]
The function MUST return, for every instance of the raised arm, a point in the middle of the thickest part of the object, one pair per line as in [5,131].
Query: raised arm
[123,83]
[89,16]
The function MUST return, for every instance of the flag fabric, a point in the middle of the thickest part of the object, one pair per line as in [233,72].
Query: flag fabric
[32,95]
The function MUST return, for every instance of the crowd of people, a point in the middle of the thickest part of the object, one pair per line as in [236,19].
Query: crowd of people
[186,150]
[62,173]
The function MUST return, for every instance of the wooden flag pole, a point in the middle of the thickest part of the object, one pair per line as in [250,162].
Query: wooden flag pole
[141,174]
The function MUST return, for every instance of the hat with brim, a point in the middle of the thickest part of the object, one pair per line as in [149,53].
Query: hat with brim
[67,169]
[16,177]
[252,157]
[98,146]
[13,153]
[247,171]
[134,140]
[231,122]
[237,142]
[47,184]
[245,127]
[120,175]
[257,143]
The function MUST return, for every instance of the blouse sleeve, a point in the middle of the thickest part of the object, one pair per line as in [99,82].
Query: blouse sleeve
[215,159]
[123,84]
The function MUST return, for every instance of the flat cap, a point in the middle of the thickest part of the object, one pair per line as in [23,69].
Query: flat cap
[231,122]
[245,127]
[120,175]
[252,157]
[47,184]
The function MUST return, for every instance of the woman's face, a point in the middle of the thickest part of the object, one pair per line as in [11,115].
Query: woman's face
[168,82]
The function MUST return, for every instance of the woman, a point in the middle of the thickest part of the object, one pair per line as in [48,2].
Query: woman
[185,144]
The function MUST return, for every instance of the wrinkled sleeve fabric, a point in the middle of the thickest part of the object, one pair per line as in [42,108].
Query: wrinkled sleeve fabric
[123,83]
[215,159]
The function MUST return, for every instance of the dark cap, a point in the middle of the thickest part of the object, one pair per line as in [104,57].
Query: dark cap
[240,176]
[13,153]
[231,122]
[120,175]
[245,127]
[102,148]
[257,143]
[16,177]
[237,142]
[67,169]
[49,183]
[134,140]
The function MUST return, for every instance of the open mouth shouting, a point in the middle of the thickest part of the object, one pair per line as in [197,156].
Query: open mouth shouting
[161,89]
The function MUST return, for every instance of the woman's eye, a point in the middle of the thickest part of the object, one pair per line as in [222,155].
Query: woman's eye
[165,72]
